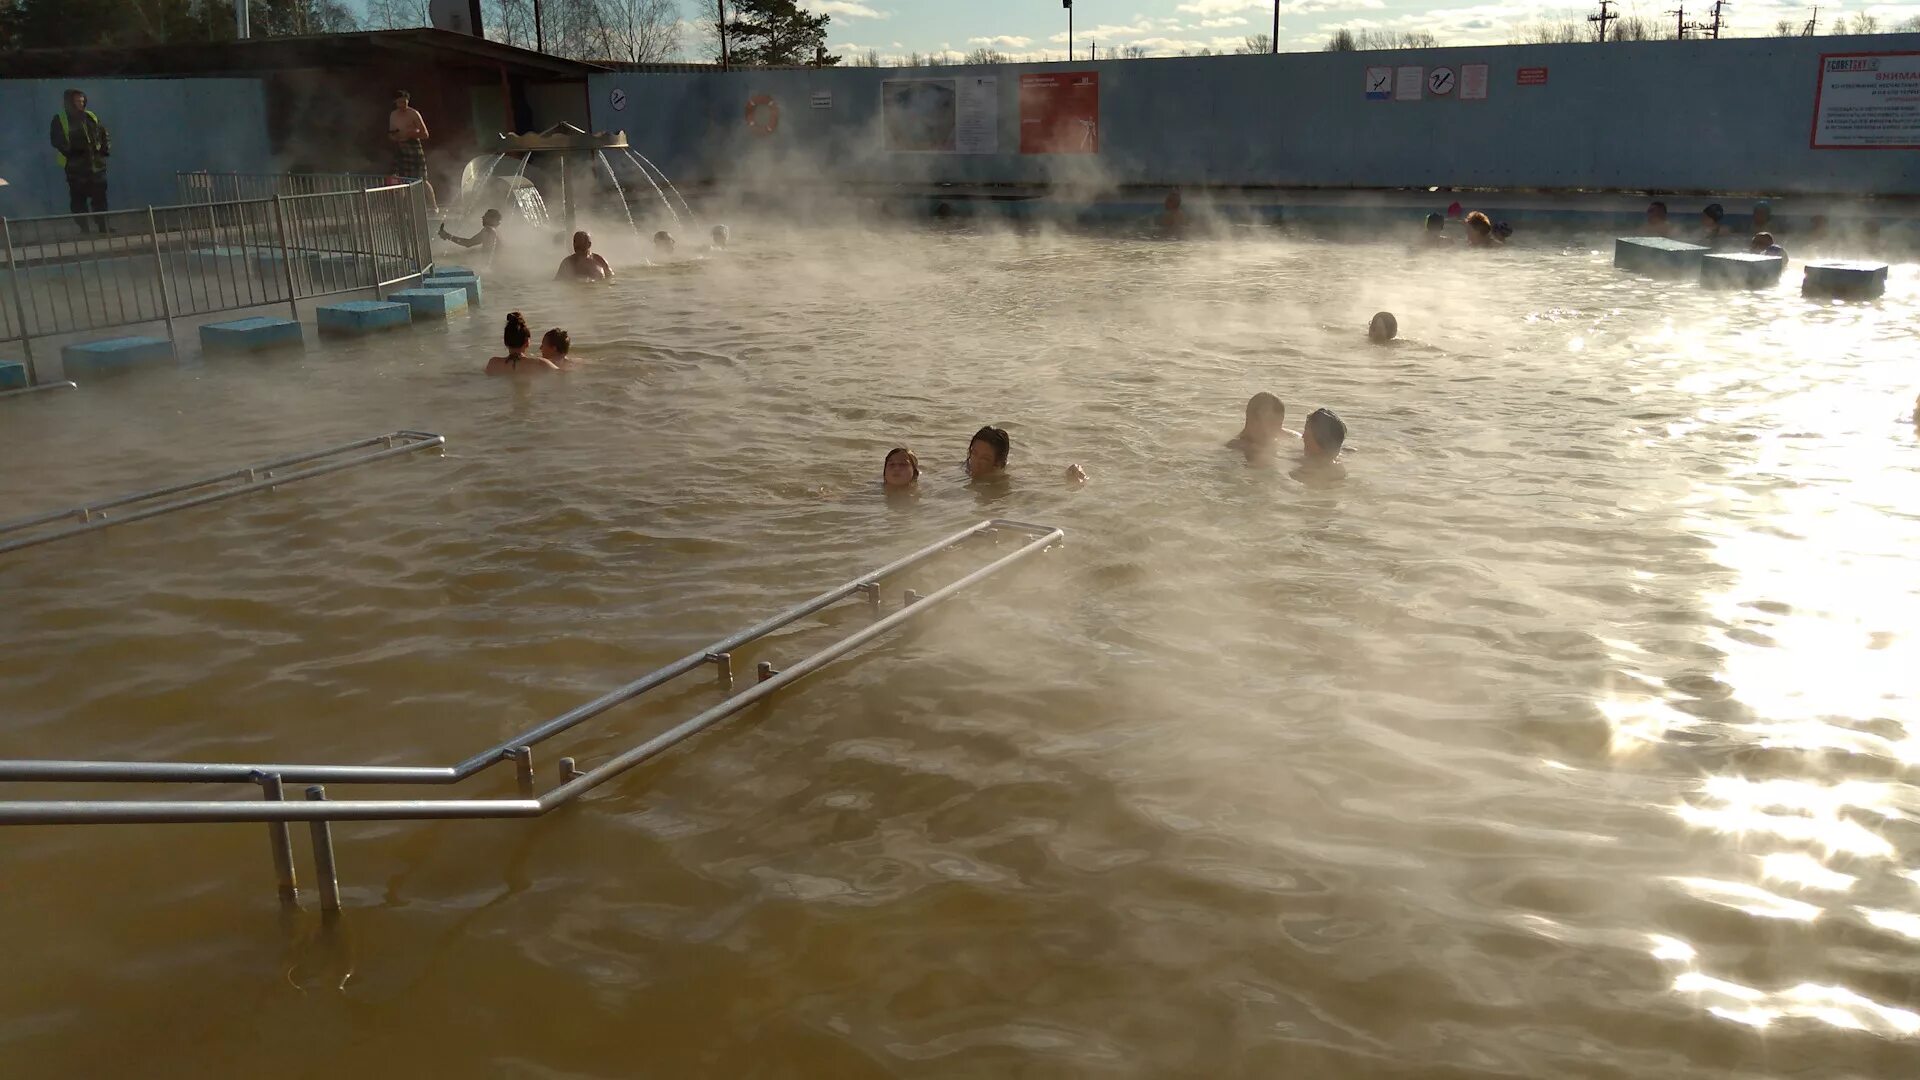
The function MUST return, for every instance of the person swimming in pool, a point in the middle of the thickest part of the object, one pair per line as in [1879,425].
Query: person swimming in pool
[1657,223]
[1265,425]
[987,458]
[663,245]
[1437,229]
[583,264]
[517,362]
[900,472]
[1479,230]
[1383,328]
[554,346]
[487,239]
[1322,436]
[717,238]
[1711,227]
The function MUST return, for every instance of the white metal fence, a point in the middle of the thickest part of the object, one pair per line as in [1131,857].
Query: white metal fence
[237,241]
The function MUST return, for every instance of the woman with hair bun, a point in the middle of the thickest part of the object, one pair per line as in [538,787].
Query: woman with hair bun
[517,362]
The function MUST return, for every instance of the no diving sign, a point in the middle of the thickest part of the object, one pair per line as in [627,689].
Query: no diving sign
[1440,81]
[618,99]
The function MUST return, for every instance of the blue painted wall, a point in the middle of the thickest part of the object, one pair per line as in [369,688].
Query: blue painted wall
[159,126]
[1731,115]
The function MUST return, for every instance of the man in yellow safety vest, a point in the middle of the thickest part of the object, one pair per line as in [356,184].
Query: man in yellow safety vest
[81,145]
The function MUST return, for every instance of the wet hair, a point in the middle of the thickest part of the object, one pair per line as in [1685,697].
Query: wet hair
[996,438]
[1329,431]
[1266,404]
[719,234]
[1714,212]
[663,238]
[895,452]
[1761,242]
[1480,223]
[517,335]
[491,217]
[581,239]
[559,339]
[1383,328]
[1657,209]
[1436,223]
[1502,230]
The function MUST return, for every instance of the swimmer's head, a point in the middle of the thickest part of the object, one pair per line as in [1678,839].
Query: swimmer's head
[517,335]
[554,344]
[582,243]
[1172,201]
[1383,328]
[720,236]
[1761,242]
[1713,213]
[1323,434]
[942,210]
[1436,224]
[987,453]
[1656,213]
[1266,417]
[663,241]
[1480,226]
[1502,230]
[1762,215]
[490,219]
[900,469]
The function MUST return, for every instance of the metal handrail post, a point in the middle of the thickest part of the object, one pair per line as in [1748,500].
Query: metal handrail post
[19,307]
[286,257]
[325,870]
[281,842]
[160,278]
[373,257]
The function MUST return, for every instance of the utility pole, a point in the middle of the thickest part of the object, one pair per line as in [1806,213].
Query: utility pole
[539,42]
[1679,23]
[722,6]
[1812,22]
[1719,19]
[1276,27]
[1068,4]
[240,20]
[1605,16]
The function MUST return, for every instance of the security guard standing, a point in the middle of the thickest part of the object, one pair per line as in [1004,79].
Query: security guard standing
[81,145]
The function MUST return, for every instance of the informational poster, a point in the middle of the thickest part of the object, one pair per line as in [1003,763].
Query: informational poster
[1531,76]
[1441,82]
[1379,84]
[940,116]
[823,99]
[1473,82]
[1867,101]
[1407,82]
[1060,113]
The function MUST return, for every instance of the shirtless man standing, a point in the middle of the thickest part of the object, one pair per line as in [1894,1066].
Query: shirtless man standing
[407,131]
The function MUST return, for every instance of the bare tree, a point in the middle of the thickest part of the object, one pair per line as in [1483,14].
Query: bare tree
[509,22]
[640,31]
[1342,41]
[1256,43]
[1134,52]
[984,55]
[397,14]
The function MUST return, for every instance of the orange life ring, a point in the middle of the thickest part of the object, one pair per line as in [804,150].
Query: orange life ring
[754,105]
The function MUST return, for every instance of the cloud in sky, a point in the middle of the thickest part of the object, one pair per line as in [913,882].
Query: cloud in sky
[852,9]
[1003,41]
[1221,24]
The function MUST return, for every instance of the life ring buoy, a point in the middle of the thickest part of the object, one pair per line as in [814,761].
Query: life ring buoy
[771,122]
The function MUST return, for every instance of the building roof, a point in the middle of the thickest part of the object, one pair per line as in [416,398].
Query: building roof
[266,55]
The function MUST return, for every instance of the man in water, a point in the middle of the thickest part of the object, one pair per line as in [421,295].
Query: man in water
[407,131]
[1657,224]
[1711,228]
[81,145]
[1383,328]
[487,239]
[987,454]
[583,264]
[663,245]
[1323,436]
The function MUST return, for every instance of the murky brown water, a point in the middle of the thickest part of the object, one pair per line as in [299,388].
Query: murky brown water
[1574,734]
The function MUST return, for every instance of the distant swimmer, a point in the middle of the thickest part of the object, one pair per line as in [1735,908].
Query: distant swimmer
[1265,425]
[718,238]
[1437,229]
[1762,216]
[1479,230]
[1657,223]
[487,239]
[901,470]
[1383,328]
[583,264]
[663,246]
[517,362]
[1173,219]
[554,346]
[1323,435]
[1763,244]
[1711,229]
[987,458]
[1502,231]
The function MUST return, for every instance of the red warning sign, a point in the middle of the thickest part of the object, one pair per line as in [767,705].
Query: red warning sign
[1532,77]
[1060,113]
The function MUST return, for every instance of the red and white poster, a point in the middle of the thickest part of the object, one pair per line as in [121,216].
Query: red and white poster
[1867,101]
[1060,113]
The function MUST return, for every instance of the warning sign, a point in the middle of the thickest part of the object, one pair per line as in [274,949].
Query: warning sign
[1532,77]
[1407,82]
[1473,82]
[1867,101]
[1440,82]
[1379,84]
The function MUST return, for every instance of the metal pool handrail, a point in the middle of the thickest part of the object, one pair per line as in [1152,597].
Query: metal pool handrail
[67,384]
[276,811]
[94,516]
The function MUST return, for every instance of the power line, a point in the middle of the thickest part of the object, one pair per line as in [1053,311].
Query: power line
[1606,15]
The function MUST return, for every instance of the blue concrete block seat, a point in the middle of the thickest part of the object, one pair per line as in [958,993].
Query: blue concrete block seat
[451,268]
[362,316]
[440,279]
[115,355]
[251,335]
[432,303]
[1741,270]
[13,376]
[1845,279]
[1657,255]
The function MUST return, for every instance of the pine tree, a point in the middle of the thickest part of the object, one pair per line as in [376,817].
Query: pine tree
[777,32]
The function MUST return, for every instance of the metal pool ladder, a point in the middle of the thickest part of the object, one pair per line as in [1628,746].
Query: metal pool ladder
[320,812]
[140,505]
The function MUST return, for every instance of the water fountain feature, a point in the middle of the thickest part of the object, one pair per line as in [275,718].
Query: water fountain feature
[559,173]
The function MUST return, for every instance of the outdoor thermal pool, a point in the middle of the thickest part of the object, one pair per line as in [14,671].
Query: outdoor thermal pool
[1572,734]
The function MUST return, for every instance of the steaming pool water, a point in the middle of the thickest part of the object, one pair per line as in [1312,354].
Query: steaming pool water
[1573,733]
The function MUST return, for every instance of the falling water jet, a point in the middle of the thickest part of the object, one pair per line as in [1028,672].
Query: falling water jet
[645,165]
[571,148]
[668,203]
[601,157]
